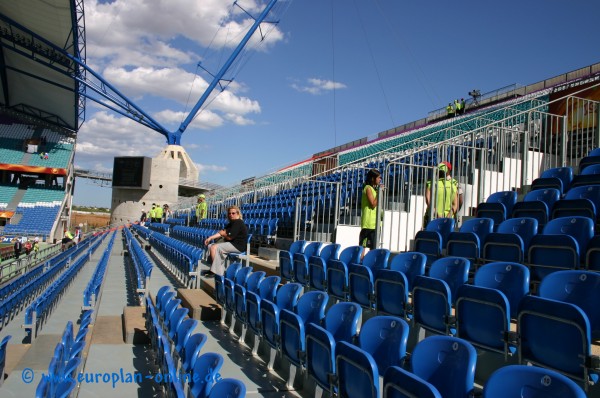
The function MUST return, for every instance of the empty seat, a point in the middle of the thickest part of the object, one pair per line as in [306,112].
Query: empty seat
[301,261]
[498,206]
[483,319]
[385,338]
[555,335]
[537,204]
[400,383]
[286,259]
[393,285]
[468,241]
[581,288]
[432,240]
[512,279]
[448,363]
[337,272]
[357,372]
[317,266]
[341,324]
[361,277]
[560,245]
[511,241]
[536,382]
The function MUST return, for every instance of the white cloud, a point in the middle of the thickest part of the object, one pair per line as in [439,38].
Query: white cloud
[206,168]
[318,86]
[105,136]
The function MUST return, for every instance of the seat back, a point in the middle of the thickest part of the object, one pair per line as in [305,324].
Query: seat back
[228,388]
[400,383]
[287,296]
[351,255]
[448,363]
[385,338]
[357,372]
[191,351]
[391,292]
[514,380]
[555,335]
[581,288]
[376,259]
[512,279]
[525,227]
[443,226]
[330,251]
[254,280]
[431,304]
[410,264]
[483,318]
[232,270]
[242,275]
[580,228]
[341,320]
[507,198]
[311,306]
[208,365]
[268,287]
[564,174]
[452,270]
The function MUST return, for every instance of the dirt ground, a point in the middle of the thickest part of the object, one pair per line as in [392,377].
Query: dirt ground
[91,220]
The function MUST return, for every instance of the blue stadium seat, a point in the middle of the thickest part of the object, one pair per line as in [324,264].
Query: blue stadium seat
[317,266]
[266,291]
[400,383]
[341,324]
[292,327]
[448,363]
[385,339]
[512,279]
[556,335]
[301,262]
[286,260]
[560,246]
[410,264]
[208,365]
[498,206]
[3,345]
[483,319]
[357,373]
[285,299]
[361,277]
[511,241]
[536,382]
[252,285]
[228,388]
[581,288]
[537,204]
[432,240]
[191,351]
[469,240]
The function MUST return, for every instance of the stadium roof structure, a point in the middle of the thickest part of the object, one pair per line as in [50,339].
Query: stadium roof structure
[39,41]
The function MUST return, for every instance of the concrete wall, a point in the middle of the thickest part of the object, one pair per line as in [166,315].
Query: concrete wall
[127,204]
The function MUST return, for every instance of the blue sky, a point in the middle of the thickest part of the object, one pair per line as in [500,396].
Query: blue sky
[330,72]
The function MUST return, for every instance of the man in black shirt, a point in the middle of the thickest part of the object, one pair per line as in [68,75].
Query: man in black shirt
[234,235]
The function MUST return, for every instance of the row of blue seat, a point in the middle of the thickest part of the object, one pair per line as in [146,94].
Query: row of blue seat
[542,204]
[564,243]
[182,258]
[39,308]
[28,286]
[178,352]
[65,364]
[141,264]
[92,289]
